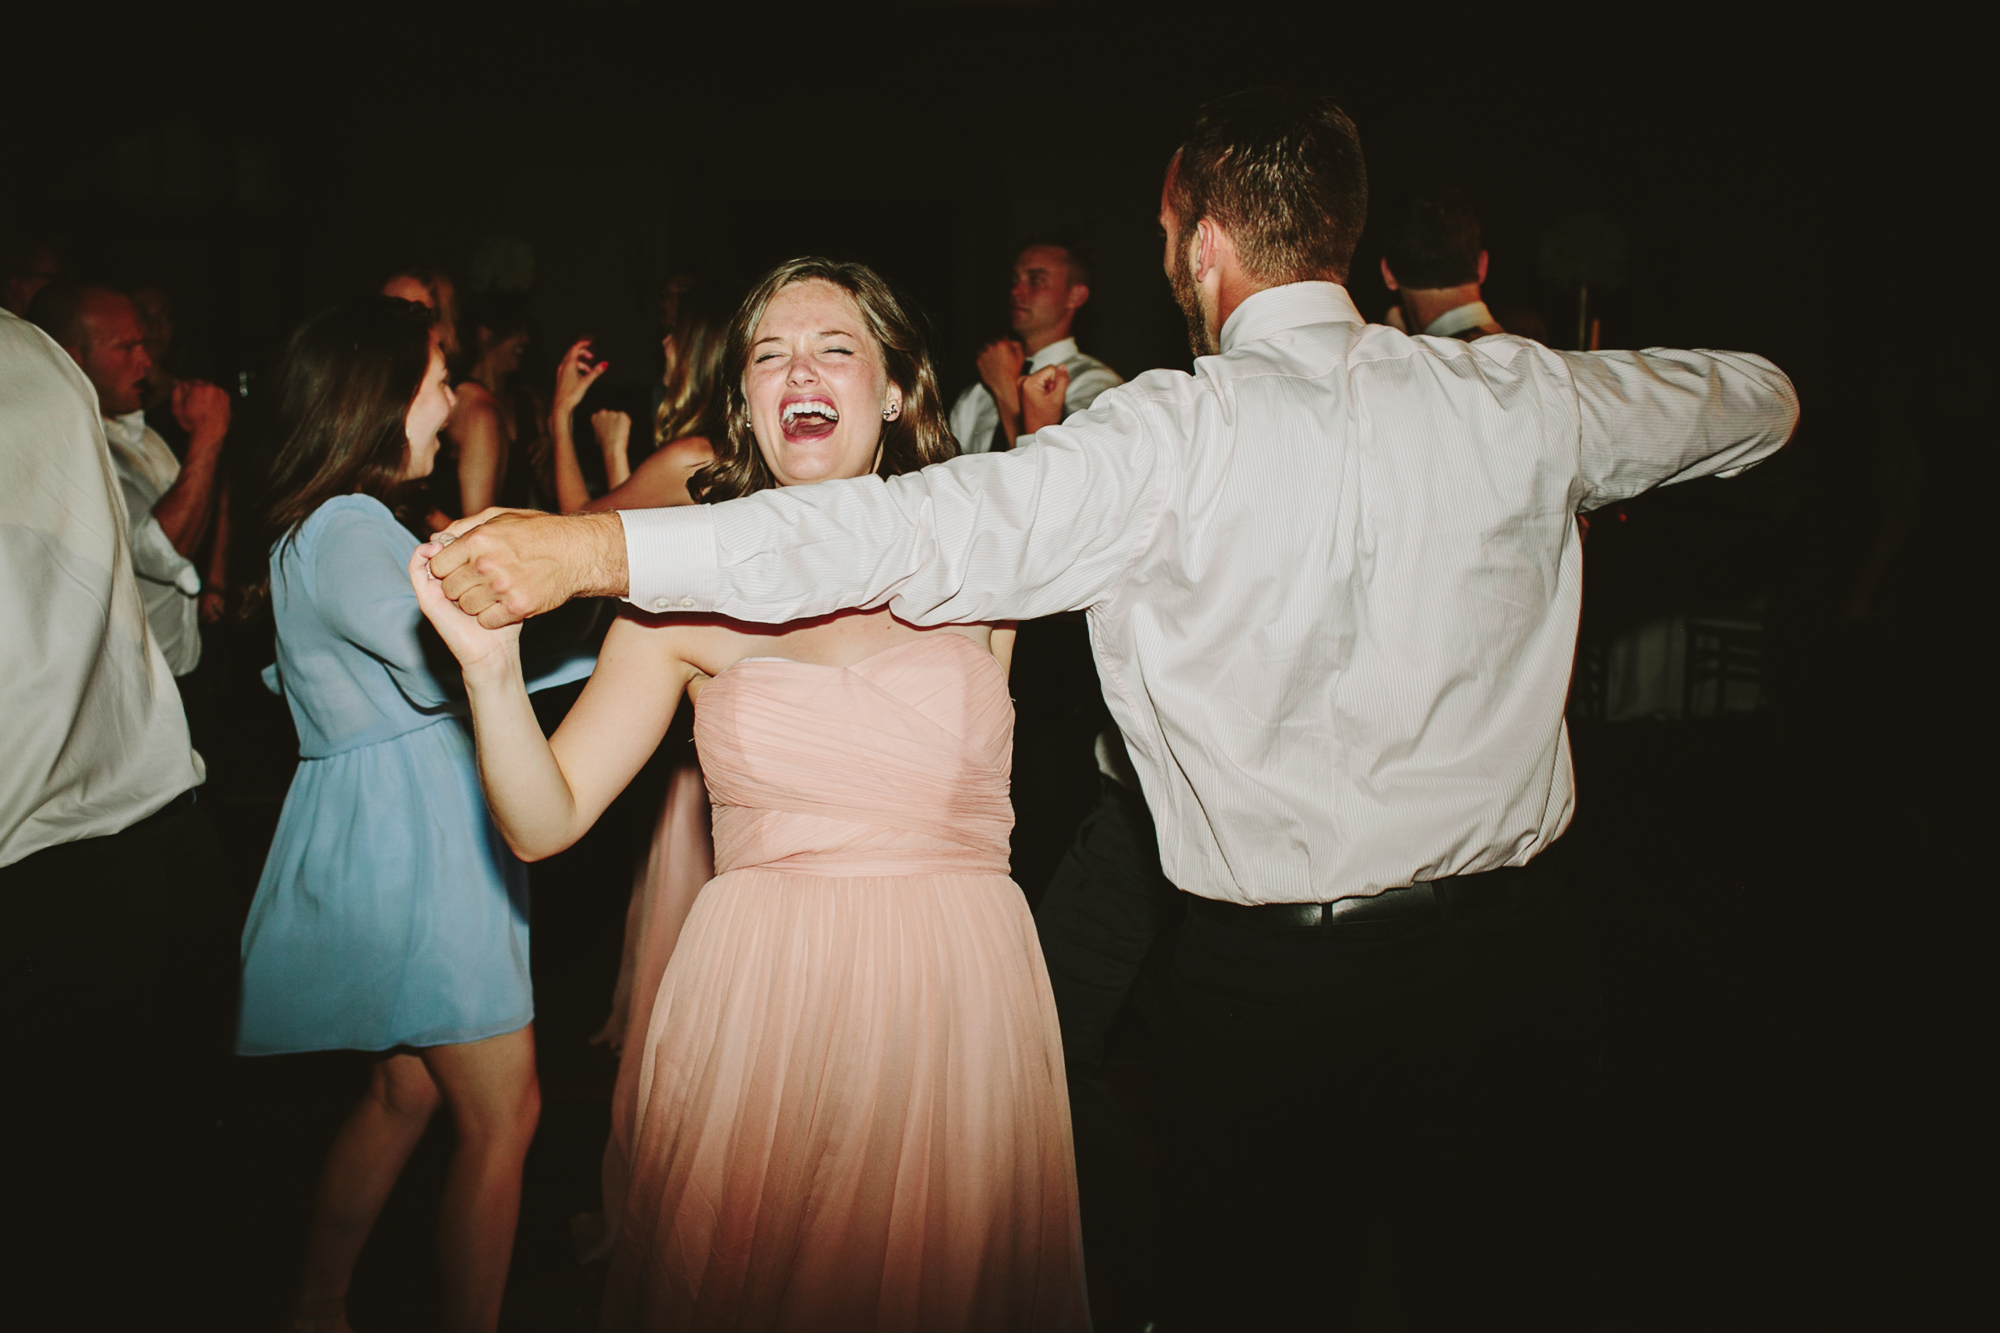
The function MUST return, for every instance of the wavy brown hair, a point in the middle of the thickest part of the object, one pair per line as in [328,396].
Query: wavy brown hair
[694,393]
[918,437]
[339,413]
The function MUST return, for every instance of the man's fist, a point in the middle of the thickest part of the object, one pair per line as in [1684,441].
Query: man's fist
[1000,371]
[1042,395]
[203,411]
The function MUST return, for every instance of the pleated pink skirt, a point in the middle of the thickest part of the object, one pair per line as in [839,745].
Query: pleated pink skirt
[852,1116]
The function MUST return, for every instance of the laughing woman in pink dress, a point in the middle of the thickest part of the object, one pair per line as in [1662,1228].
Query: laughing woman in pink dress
[852,1111]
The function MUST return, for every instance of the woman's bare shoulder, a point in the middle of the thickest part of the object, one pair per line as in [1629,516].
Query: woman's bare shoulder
[682,455]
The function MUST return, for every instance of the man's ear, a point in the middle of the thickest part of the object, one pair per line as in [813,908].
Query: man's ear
[1208,248]
[1389,278]
[1482,266]
[1078,294]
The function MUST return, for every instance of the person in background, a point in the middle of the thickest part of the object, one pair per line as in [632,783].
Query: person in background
[389,917]
[1434,265]
[494,458]
[681,856]
[156,316]
[433,290]
[684,424]
[1051,283]
[170,503]
[118,951]
[27,264]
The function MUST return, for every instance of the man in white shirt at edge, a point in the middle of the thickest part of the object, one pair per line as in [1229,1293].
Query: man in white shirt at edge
[1436,265]
[1333,580]
[119,945]
[170,504]
[1050,285]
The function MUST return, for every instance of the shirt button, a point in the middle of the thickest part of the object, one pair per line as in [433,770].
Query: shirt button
[661,604]
[687,603]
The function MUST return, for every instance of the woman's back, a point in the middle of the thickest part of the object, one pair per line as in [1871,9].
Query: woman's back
[351,661]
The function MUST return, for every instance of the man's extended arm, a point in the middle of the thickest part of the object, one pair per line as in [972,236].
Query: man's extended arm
[1048,528]
[1656,417]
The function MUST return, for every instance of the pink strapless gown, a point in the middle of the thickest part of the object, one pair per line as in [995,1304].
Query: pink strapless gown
[852,1112]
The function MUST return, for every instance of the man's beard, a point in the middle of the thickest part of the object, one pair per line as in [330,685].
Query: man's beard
[1188,297]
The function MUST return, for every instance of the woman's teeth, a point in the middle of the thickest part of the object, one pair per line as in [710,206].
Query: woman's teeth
[809,420]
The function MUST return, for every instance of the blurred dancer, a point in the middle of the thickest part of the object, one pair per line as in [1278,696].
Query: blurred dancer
[680,858]
[170,503]
[389,917]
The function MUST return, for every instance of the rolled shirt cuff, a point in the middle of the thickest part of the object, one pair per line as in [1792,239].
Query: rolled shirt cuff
[670,558]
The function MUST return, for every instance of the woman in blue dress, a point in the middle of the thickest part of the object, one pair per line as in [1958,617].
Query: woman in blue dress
[390,917]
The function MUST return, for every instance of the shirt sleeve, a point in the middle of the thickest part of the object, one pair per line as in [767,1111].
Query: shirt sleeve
[153,555]
[361,587]
[1051,526]
[1656,417]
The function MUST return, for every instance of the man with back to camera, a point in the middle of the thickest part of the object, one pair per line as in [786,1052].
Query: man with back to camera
[1051,283]
[1435,266]
[1333,579]
[170,503]
[119,944]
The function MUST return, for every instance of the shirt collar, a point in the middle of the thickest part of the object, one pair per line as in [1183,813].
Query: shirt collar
[129,429]
[1060,350]
[1291,306]
[1458,319]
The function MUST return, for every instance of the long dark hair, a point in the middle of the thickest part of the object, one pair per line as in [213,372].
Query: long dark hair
[339,407]
[693,401]
[918,437]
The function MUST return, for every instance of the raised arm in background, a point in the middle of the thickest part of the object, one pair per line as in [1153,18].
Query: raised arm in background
[482,446]
[184,511]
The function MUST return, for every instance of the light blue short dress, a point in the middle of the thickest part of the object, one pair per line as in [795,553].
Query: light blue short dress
[390,912]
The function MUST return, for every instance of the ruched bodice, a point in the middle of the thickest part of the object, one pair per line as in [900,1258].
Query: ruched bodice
[850,1109]
[897,765]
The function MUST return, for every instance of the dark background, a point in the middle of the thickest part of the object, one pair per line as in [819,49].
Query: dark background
[1787,909]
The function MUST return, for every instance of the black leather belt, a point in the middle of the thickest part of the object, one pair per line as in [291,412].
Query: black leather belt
[1456,898]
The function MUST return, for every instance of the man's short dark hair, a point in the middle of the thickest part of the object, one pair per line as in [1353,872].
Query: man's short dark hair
[57,309]
[1075,253]
[1436,241]
[1282,173]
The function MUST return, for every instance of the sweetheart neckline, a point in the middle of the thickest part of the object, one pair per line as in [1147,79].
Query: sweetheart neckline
[829,666]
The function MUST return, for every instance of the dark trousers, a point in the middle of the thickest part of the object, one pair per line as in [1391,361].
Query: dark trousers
[1380,1126]
[1103,910]
[120,955]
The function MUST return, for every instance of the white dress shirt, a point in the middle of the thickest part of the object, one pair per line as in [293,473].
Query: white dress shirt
[92,727]
[1333,576]
[975,416]
[168,580]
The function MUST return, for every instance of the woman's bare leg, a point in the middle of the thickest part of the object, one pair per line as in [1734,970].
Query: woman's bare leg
[368,1154]
[495,1102]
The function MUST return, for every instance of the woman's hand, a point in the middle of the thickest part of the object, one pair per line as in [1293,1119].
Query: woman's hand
[575,375]
[474,645]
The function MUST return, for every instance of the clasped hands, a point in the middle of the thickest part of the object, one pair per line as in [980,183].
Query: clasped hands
[503,565]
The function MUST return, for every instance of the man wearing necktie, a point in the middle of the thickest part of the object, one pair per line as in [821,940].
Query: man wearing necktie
[1051,284]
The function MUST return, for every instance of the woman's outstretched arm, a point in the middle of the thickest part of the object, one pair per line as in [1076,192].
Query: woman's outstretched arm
[546,793]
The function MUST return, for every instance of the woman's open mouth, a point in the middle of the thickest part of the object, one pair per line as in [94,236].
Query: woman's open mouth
[808,419]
